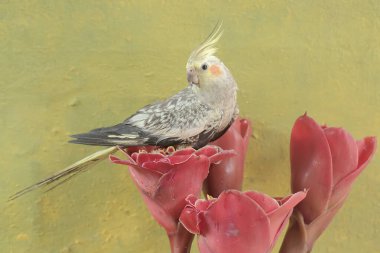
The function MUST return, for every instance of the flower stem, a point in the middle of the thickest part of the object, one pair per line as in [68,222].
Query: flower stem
[180,241]
[296,238]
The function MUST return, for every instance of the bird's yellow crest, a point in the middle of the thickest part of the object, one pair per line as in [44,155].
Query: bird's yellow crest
[207,48]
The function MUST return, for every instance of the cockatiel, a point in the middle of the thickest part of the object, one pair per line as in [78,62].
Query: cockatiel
[196,115]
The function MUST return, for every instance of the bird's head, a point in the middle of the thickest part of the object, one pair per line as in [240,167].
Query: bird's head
[203,67]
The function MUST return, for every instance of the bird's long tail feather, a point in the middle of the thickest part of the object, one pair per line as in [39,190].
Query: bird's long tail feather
[69,172]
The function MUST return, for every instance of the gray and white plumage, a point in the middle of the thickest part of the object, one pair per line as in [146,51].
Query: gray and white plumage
[196,115]
[181,119]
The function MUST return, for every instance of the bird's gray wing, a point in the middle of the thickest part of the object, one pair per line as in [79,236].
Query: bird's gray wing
[178,120]
[120,134]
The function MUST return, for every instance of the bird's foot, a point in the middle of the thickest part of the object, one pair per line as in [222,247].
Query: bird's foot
[166,151]
[170,150]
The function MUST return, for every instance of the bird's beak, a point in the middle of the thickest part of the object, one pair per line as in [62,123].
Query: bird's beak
[192,76]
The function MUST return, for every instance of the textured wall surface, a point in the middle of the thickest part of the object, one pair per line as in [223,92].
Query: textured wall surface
[70,66]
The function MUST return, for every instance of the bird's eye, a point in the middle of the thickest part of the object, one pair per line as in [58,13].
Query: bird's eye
[204,66]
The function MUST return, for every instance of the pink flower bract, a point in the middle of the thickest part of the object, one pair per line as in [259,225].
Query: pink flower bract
[228,174]
[166,180]
[243,222]
[325,160]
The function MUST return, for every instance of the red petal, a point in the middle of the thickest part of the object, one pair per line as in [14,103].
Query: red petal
[164,165]
[189,219]
[235,223]
[280,217]
[207,151]
[222,155]
[142,158]
[185,151]
[134,156]
[266,202]
[190,216]
[203,205]
[191,199]
[177,159]
[311,166]
[366,149]
[161,167]
[146,180]
[344,152]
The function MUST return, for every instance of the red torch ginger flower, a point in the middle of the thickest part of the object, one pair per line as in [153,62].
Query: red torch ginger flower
[165,181]
[325,160]
[228,174]
[244,222]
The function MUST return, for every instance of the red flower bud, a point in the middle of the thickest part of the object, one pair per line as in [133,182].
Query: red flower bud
[325,160]
[228,174]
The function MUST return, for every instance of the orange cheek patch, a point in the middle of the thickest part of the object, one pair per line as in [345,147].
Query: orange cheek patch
[215,70]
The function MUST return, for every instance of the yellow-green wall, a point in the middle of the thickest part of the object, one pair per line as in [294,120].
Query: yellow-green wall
[70,66]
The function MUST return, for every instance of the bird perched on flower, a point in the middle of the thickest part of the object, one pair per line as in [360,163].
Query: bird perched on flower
[196,115]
